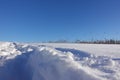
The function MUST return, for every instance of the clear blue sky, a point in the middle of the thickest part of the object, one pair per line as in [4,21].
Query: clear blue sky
[44,20]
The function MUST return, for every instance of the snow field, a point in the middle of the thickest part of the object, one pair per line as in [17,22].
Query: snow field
[57,62]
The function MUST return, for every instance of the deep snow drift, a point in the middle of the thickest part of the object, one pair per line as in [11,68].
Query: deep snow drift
[20,61]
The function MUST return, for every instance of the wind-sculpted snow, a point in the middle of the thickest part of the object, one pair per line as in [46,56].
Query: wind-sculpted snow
[42,62]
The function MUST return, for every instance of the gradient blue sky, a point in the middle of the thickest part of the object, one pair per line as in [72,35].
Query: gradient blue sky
[44,20]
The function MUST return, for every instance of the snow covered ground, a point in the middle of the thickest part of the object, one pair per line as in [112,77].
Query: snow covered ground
[48,61]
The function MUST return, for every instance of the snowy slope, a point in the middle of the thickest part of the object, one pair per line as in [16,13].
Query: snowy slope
[38,61]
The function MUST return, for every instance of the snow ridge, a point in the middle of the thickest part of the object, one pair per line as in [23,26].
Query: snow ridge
[40,62]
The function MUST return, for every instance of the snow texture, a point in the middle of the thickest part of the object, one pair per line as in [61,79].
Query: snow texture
[37,61]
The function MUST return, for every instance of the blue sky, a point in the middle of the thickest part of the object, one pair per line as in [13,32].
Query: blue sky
[44,20]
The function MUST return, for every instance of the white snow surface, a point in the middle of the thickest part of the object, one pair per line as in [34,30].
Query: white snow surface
[55,61]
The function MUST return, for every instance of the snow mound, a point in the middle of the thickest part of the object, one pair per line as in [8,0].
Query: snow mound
[42,62]
[49,64]
[8,48]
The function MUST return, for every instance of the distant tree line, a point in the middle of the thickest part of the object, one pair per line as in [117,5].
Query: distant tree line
[106,41]
[59,41]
